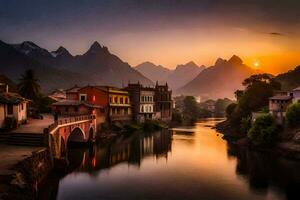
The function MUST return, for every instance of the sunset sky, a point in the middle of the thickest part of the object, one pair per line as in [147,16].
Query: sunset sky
[166,32]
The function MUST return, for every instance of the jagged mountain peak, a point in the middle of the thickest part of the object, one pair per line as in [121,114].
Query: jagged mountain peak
[235,60]
[190,64]
[29,44]
[96,48]
[61,51]
[220,61]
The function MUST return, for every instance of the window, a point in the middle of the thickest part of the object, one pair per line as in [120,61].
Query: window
[126,100]
[110,100]
[121,100]
[116,100]
[76,108]
[10,109]
[82,97]
[22,106]
[66,109]
[126,111]
[118,111]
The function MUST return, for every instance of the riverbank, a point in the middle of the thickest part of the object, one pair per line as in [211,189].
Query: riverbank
[21,170]
[287,147]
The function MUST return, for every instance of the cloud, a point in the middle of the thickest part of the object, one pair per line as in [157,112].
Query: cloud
[276,34]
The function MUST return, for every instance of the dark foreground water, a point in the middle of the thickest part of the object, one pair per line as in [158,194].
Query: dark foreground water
[186,163]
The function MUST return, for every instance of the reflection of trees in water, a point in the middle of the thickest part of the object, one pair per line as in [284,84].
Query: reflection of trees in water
[130,150]
[263,170]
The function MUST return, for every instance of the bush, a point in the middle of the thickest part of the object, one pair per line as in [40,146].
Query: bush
[264,130]
[245,125]
[293,115]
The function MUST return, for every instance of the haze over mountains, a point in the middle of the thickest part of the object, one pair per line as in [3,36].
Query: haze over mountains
[59,69]
[219,80]
[176,78]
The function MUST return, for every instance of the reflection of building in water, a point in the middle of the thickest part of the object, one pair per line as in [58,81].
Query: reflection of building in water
[129,150]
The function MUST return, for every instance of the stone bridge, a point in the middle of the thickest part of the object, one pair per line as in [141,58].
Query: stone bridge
[69,131]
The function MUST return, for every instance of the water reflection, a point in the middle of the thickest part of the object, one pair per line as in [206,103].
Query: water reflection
[131,150]
[185,163]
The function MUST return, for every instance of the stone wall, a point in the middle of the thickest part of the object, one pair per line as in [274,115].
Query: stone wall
[29,173]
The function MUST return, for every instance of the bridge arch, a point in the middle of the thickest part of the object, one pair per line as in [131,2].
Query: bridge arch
[76,136]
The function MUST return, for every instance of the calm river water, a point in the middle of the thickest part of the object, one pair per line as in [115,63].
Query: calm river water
[185,163]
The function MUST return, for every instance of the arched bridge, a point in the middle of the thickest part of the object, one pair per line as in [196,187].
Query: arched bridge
[70,130]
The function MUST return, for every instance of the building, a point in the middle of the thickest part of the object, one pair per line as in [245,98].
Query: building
[14,107]
[278,105]
[119,105]
[142,100]
[67,108]
[114,102]
[296,95]
[58,95]
[72,93]
[163,102]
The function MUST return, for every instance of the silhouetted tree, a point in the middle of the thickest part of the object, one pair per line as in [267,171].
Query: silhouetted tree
[29,85]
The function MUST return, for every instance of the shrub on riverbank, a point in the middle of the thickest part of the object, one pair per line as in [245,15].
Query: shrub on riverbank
[293,115]
[264,130]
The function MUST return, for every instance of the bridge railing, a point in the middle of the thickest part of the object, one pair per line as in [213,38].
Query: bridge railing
[69,119]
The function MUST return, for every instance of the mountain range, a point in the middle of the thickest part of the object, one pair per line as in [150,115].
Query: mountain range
[59,69]
[176,78]
[219,80]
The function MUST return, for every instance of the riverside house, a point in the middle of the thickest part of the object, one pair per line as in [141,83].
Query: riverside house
[163,102]
[111,104]
[13,107]
[142,99]
[279,103]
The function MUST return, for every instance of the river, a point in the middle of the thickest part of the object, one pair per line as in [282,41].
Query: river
[184,163]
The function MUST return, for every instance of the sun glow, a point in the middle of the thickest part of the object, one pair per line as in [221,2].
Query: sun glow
[256,65]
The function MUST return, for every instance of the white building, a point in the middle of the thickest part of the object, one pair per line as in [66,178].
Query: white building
[146,104]
[12,106]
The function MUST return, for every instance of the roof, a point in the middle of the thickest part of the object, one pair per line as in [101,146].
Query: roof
[297,89]
[281,97]
[73,89]
[75,103]
[108,89]
[11,98]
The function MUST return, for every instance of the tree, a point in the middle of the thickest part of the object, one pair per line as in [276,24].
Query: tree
[264,130]
[293,115]
[29,85]
[259,88]
[229,109]
[220,107]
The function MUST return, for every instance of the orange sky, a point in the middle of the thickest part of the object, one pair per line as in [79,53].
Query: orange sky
[165,32]
[274,53]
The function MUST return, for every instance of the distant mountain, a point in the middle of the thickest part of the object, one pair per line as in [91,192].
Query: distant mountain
[175,78]
[183,74]
[220,80]
[59,69]
[289,80]
[154,72]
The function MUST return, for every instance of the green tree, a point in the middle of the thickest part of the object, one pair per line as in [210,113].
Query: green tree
[259,88]
[293,115]
[264,130]
[29,85]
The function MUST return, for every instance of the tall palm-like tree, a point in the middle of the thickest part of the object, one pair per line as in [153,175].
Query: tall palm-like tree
[29,85]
